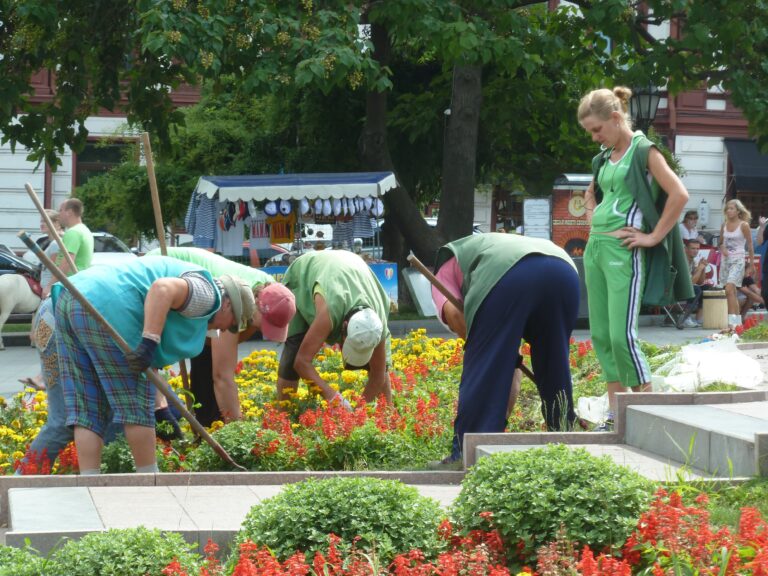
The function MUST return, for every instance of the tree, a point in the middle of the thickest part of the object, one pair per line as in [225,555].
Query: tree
[102,50]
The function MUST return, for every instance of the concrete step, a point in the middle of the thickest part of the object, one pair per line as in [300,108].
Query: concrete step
[724,439]
[45,516]
[646,463]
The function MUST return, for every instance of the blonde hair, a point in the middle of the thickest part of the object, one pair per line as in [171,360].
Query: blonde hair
[744,214]
[603,102]
[53,215]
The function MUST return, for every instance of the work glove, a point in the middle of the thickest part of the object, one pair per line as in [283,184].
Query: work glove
[141,358]
[167,427]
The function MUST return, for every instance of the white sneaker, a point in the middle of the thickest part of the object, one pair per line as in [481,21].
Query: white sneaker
[691,323]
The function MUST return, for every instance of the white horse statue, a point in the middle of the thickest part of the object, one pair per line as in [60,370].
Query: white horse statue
[15,297]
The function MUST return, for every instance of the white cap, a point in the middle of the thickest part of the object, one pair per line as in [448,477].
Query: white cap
[364,331]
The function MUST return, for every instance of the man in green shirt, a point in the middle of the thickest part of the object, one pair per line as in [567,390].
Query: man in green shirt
[339,300]
[77,239]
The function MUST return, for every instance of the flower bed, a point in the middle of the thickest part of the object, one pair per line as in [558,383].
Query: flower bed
[671,538]
[304,433]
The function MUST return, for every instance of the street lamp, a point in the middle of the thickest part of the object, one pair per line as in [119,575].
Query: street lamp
[643,106]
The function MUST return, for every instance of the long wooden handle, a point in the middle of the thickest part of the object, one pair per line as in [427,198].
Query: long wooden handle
[159,382]
[155,194]
[51,228]
[416,263]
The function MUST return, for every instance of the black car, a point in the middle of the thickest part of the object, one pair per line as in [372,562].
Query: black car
[12,264]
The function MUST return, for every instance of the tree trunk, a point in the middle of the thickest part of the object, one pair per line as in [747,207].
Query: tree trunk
[457,200]
[404,220]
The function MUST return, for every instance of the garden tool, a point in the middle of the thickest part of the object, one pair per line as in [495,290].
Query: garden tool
[159,382]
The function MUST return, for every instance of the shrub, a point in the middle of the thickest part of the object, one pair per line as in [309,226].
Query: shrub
[20,562]
[384,516]
[532,493]
[238,438]
[123,552]
[116,457]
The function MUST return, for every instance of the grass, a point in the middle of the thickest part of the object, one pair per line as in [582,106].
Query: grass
[726,503]
[15,328]
[720,387]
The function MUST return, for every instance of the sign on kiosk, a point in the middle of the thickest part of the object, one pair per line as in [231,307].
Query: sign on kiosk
[570,227]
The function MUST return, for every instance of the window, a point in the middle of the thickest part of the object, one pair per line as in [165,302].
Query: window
[97,158]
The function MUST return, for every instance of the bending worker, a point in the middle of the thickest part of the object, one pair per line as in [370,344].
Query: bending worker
[339,300]
[212,372]
[512,287]
[163,309]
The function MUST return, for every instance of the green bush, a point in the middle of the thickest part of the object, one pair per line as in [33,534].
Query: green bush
[20,562]
[532,493]
[123,552]
[387,516]
[237,438]
[116,457]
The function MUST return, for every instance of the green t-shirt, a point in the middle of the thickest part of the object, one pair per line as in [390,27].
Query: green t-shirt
[79,241]
[217,265]
[344,280]
[618,207]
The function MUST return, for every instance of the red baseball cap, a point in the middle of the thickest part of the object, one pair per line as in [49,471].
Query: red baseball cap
[277,306]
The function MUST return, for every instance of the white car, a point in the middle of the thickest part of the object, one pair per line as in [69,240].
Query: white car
[110,250]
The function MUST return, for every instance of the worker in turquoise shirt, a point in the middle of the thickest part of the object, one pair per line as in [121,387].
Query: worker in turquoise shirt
[212,374]
[162,308]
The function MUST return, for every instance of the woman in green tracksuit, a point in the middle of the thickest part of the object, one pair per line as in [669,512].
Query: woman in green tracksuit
[630,221]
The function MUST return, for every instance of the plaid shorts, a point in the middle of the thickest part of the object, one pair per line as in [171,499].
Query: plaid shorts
[98,385]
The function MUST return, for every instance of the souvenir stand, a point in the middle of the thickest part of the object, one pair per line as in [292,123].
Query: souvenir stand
[275,208]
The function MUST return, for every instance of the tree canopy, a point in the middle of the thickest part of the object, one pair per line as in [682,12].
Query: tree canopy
[510,72]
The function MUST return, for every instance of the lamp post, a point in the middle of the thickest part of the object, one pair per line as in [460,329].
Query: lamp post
[643,106]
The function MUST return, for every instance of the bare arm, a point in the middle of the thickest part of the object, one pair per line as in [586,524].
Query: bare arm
[317,334]
[761,230]
[721,241]
[224,359]
[699,272]
[750,248]
[677,197]
[590,202]
[378,377]
[164,295]
[455,320]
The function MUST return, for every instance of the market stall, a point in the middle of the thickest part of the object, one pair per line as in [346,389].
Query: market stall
[226,211]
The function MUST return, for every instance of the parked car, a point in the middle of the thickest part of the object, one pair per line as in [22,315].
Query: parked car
[110,250]
[12,264]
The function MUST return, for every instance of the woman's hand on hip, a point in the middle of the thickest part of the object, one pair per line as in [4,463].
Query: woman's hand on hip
[633,238]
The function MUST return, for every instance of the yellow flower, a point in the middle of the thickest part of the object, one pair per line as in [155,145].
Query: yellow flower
[216,425]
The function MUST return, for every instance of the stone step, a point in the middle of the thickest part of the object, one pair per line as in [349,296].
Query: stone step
[46,516]
[646,463]
[724,439]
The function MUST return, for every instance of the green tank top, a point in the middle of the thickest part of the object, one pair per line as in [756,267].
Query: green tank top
[485,258]
[216,265]
[344,280]
[618,207]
